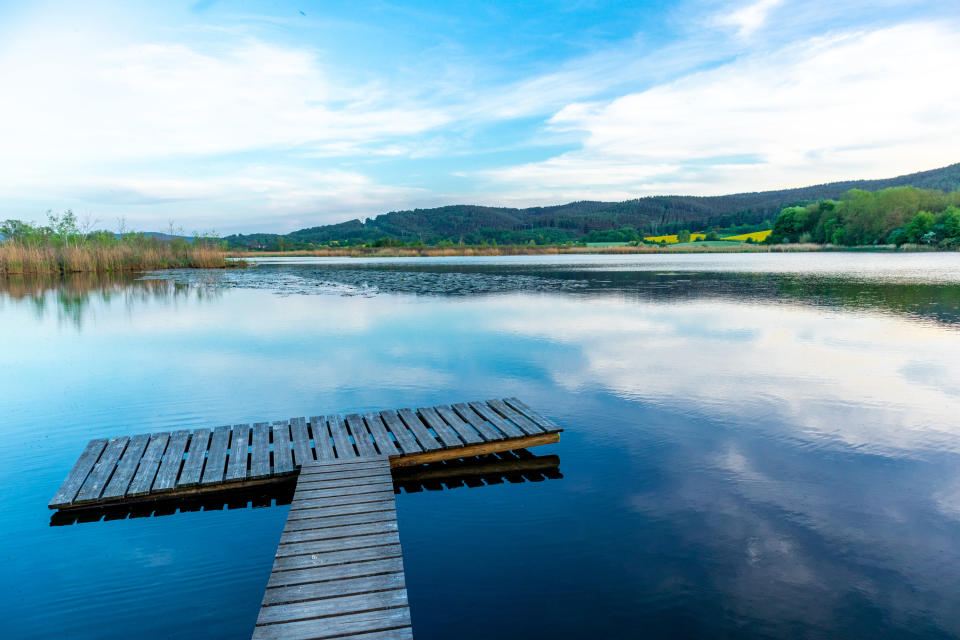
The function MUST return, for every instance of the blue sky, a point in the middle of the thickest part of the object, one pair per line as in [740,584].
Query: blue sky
[272,116]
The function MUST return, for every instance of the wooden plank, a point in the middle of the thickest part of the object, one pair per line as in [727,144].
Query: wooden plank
[338,544]
[472,418]
[196,455]
[527,426]
[494,418]
[336,557]
[361,437]
[522,407]
[344,490]
[342,475]
[341,439]
[381,436]
[342,510]
[330,502]
[475,450]
[321,438]
[169,470]
[333,588]
[282,453]
[239,454]
[404,438]
[416,426]
[337,573]
[127,466]
[94,484]
[302,451]
[78,474]
[339,521]
[447,435]
[467,433]
[216,456]
[339,626]
[260,451]
[339,532]
[335,606]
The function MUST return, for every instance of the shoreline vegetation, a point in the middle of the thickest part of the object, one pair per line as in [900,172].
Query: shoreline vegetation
[527,250]
[63,246]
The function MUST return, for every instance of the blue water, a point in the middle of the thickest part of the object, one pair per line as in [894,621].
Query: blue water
[755,446]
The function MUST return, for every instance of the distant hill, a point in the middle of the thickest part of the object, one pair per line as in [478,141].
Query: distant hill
[653,215]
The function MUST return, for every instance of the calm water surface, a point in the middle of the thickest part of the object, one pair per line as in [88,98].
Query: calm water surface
[756,446]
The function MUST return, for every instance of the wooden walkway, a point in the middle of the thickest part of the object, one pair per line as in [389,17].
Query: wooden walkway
[163,465]
[338,570]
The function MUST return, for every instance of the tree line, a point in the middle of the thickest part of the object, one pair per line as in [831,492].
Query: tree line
[892,216]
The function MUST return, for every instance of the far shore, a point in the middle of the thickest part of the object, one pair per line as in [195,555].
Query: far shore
[522,250]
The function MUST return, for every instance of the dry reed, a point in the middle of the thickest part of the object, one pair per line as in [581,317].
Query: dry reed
[19,258]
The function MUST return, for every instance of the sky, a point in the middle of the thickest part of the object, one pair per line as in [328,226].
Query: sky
[236,117]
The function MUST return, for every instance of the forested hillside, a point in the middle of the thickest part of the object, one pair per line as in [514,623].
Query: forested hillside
[586,220]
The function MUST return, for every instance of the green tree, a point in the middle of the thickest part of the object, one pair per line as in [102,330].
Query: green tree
[919,225]
[683,235]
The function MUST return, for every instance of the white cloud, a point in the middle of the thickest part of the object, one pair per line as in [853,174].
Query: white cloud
[868,104]
[80,102]
[823,385]
[749,18]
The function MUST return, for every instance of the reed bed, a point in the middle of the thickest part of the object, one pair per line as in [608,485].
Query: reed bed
[17,258]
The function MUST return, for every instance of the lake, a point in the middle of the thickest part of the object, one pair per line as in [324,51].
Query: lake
[755,445]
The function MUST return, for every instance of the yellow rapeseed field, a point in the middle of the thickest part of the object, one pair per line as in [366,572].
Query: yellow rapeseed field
[758,236]
[672,239]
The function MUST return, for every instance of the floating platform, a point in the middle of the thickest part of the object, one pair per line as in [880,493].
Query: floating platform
[163,465]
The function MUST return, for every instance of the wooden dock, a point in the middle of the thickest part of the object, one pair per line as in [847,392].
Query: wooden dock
[162,465]
[338,569]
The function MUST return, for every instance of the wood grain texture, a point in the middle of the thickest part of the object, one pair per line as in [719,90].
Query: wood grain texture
[302,451]
[123,475]
[467,433]
[527,426]
[474,420]
[361,437]
[523,408]
[341,439]
[260,451]
[216,456]
[381,436]
[418,429]
[508,430]
[404,438]
[169,469]
[282,453]
[94,484]
[196,456]
[239,453]
[322,443]
[78,474]
[446,435]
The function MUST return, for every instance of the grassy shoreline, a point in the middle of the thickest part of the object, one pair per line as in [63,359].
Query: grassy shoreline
[524,250]
[18,258]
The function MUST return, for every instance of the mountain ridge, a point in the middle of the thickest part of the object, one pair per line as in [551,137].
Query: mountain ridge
[648,215]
